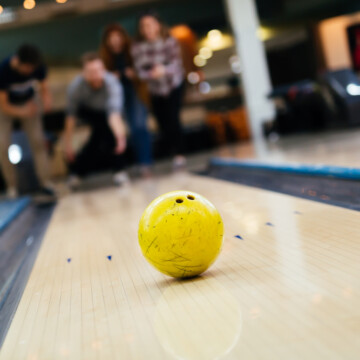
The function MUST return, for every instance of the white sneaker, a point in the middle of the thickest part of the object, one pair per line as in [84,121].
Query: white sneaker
[145,172]
[179,162]
[121,178]
[74,182]
[12,193]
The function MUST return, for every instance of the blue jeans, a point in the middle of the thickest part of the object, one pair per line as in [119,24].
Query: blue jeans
[136,115]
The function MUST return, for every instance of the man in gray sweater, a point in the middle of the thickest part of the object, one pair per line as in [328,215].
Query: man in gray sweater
[95,97]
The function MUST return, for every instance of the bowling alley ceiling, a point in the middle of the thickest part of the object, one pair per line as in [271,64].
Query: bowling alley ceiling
[19,3]
[270,11]
[15,3]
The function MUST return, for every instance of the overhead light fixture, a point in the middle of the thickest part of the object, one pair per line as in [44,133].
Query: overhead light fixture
[215,35]
[29,4]
[216,40]
[1,9]
[61,1]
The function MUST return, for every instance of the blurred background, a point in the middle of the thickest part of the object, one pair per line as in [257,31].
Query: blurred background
[308,79]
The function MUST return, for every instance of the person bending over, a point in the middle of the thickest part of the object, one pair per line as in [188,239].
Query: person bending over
[95,97]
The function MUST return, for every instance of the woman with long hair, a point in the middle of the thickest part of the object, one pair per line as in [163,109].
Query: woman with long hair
[115,52]
[158,61]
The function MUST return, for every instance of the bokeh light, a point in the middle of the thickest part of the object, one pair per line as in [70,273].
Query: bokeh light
[216,40]
[29,4]
[204,87]
[206,52]
[235,64]
[199,61]
[193,77]
[215,35]
[353,89]
[15,154]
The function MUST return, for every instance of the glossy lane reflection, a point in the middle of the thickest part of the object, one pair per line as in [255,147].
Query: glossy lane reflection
[198,319]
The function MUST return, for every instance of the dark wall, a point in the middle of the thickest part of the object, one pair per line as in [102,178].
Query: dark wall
[63,40]
[293,63]
[276,12]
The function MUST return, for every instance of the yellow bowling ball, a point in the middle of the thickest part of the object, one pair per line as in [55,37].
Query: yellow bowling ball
[181,234]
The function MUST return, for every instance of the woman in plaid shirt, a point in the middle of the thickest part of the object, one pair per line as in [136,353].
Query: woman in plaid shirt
[157,60]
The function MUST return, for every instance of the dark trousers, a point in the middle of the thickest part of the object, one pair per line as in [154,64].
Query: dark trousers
[167,112]
[98,153]
[136,116]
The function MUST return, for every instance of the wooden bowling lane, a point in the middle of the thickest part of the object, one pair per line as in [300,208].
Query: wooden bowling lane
[286,285]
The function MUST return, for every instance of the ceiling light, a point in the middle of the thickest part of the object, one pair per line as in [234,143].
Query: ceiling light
[29,4]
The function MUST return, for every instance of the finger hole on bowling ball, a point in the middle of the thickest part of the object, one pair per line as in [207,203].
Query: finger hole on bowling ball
[190,197]
[179,201]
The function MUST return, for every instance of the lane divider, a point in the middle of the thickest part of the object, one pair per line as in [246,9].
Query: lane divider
[10,209]
[301,169]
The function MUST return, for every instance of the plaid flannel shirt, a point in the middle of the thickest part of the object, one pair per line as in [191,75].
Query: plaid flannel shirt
[165,52]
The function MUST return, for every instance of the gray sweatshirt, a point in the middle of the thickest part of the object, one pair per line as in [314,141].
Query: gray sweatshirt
[108,98]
